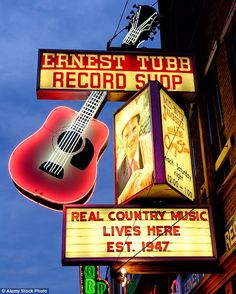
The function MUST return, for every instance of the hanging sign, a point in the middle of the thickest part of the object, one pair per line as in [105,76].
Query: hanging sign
[62,73]
[152,148]
[112,233]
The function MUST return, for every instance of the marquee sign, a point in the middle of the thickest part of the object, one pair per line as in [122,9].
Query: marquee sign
[113,233]
[62,73]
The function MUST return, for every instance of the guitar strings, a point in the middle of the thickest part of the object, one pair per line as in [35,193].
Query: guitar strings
[88,119]
[59,156]
[57,152]
[66,141]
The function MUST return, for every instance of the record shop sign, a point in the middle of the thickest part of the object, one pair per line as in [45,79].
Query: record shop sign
[67,72]
[104,234]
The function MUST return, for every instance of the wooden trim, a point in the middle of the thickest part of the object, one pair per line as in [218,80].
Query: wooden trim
[213,282]
[229,183]
[223,155]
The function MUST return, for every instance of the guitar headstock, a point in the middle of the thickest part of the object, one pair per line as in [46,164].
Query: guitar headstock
[142,23]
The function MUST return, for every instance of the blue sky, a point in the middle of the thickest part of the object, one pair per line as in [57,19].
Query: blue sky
[30,235]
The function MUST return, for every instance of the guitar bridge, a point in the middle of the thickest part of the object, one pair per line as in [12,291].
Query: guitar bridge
[52,169]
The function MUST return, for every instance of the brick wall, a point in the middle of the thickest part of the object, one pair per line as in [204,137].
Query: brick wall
[227,96]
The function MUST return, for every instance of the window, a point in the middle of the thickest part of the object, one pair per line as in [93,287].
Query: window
[231,45]
[215,121]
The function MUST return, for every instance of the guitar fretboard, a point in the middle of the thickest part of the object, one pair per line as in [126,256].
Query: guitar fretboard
[88,111]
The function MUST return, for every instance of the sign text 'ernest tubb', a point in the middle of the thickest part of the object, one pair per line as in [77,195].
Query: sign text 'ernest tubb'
[113,71]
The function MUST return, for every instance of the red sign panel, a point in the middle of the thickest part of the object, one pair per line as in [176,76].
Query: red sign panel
[61,74]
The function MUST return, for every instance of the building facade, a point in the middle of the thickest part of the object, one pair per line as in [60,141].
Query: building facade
[206,28]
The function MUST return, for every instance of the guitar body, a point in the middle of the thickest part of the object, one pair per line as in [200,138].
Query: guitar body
[70,175]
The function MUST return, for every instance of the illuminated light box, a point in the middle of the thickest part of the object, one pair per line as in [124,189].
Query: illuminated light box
[71,74]
[152,148]
[108,234]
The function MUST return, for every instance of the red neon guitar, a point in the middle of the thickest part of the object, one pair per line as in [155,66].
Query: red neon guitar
[57,165]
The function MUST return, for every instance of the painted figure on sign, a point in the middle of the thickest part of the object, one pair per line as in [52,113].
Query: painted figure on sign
[135,170]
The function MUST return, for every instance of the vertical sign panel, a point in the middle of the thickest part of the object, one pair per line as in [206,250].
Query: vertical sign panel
[178,164]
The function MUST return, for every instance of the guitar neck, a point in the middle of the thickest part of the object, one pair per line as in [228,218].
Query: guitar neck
[89,110]
[95,100]
[133,37]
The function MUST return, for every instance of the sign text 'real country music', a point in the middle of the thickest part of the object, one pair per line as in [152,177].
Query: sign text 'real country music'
[99,233]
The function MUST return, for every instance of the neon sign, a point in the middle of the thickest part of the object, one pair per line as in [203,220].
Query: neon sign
[91,283]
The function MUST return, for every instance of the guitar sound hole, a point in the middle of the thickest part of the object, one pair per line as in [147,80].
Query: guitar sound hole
[69,141]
